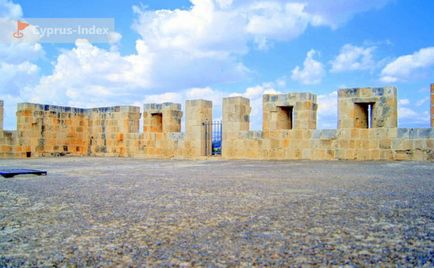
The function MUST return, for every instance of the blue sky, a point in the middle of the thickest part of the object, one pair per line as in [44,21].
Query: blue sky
[178,50]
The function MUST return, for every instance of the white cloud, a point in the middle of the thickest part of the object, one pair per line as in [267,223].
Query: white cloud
[88,75]
[312,71]
[271,20]
[406,113]
[9,14]
[422,101]
[405,67]
[353,58]
[195,47]
[411,117]
[164,97]
[198,47]
[18,53]
[323,12]
[10,10]
[224,3]
[10,108]
[404,102]
[202,31]
[14,77]
[337,12]
[220,27]
[181,48]
[18,72]
[13,50]
[114,37]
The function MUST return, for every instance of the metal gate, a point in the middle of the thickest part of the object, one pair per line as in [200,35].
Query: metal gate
[213,138]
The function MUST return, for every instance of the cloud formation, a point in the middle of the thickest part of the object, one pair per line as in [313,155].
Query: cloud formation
[337,12]
[18,70]
[10,10]
[353,58]
[406,67]
[312,71]
[406,114]
[199,47]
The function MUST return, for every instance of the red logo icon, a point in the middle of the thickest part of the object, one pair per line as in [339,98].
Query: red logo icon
[20,27]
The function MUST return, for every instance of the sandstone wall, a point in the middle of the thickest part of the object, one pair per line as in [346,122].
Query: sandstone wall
[161,137]
[198,113]
[44,130]
[289,111]
[109,130]
[48,130]
[341,144]
[367,130]
[8,148]
[356,105]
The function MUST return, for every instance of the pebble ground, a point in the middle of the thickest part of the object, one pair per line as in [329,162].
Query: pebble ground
[99,212]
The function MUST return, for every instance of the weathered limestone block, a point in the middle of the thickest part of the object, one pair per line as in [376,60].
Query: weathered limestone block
[107,127]
[48,129]
[165,117]
[235,119]
[162,137]
[198,114]
[8,148]
[289,111]
[57,130]
[367,108]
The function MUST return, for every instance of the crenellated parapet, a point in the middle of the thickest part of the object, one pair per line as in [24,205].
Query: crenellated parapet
[289,111]
[47,130]
[367,130]
[162,118]
[368,108]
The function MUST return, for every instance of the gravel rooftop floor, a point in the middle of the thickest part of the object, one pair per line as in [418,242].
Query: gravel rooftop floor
[132,212]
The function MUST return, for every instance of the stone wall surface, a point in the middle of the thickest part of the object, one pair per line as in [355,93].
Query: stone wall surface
[50,130]
[198,113]
[289,111]
[353,107]
[367,130]
[342,144]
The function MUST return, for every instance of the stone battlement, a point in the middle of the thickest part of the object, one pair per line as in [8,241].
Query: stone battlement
[68,109]
[377,107]
[367,130]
